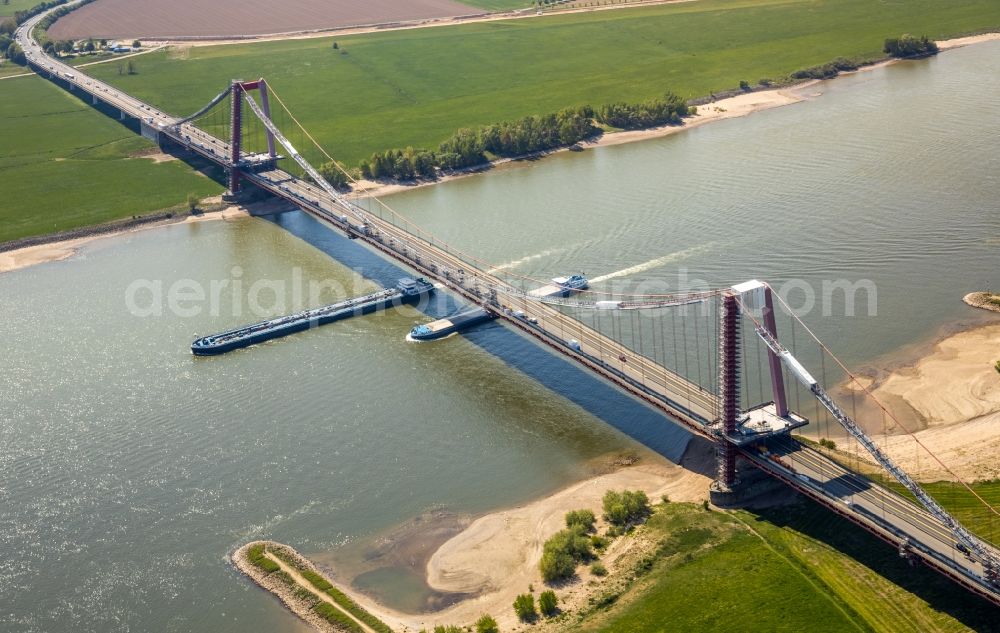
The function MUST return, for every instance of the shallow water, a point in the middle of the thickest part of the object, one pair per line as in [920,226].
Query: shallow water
[129,469]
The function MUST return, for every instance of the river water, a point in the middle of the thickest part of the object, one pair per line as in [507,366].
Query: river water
[129,469]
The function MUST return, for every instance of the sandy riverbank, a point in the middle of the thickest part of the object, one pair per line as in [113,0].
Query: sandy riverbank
[496,556]
[58,251]
[950,397]
[965,41]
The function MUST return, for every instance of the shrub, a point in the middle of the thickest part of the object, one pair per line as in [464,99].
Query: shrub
[255,555]
[599,543]
[556,566]
[524,607]
[630,116]
[828,443]
[825,71]
[335,616]
[352,607]
[255,552]
[997,366]
[267,565]
[486,624]
[583,518]
[744,85]
[563,551]
[451,628]
[598,569]
[842,63]
[909,46]
[334,174]
[16,54]
[626,507]
[547,603]
[316,580]
[304,594]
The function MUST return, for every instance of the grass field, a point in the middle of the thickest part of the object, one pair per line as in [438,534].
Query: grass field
[64,165]
[965,507]
[415,87]
[788,569]
[12,7]
[952,496]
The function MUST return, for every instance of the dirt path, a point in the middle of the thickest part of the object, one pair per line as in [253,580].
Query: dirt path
[300,579]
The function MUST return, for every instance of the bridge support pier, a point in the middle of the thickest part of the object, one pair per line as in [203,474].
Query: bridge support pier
[236,138]
[121,115]
[149,132]
[93,99]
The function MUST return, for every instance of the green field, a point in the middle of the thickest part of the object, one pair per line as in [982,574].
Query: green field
[64,165]
[8,69]
[12,7]
[415,87]
[964,506]
[796,568]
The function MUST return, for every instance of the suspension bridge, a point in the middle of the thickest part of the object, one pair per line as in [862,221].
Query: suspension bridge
[688,354]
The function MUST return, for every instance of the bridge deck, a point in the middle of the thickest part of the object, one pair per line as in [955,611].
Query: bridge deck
[876,508]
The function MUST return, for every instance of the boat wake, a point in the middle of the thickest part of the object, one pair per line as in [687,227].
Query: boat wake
[530,258]
[654,263]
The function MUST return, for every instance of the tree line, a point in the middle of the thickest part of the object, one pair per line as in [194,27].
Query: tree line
[473,147]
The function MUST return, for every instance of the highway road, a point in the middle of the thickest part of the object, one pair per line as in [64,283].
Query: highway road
[881,510]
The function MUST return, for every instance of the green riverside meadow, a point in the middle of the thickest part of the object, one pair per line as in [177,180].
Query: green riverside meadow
[64,165]
[417,87]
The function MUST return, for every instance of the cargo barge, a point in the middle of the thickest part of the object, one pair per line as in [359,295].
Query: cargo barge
[406,291]
[449,325]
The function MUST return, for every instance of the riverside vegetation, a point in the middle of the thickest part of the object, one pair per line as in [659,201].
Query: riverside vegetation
[529,135]
[577,543]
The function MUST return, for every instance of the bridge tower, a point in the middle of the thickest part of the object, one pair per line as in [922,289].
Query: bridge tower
[238,91]
[729,387]
[236,136]
[754,297]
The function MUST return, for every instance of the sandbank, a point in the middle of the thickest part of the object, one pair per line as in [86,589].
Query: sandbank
[496,556]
